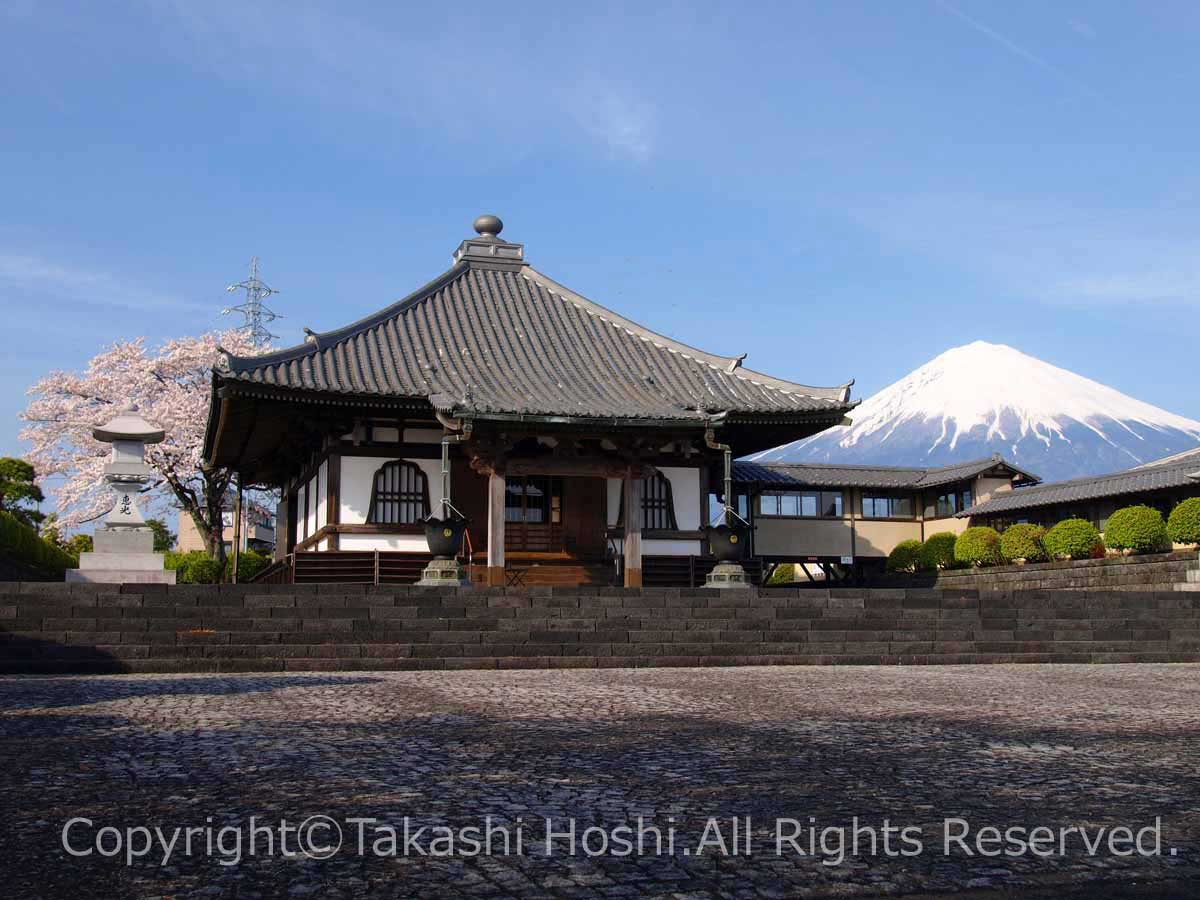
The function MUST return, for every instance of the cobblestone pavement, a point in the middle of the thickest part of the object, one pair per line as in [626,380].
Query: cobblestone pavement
[1090,746]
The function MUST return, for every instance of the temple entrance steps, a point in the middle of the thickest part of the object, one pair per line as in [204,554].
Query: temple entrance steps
[1191,579]
[561,573]
[541,569]
[357,567]
[689,571]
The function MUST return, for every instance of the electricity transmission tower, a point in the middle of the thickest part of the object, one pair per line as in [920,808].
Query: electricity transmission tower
[255,314]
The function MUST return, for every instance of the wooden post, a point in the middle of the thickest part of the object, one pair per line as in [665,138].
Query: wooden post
[237,528]
[633,529]
[333,498]
[495,543]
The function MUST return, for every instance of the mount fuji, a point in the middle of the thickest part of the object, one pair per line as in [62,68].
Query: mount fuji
[982,398]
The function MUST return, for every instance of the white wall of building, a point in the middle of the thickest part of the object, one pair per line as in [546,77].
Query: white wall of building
[685,492]
[422,435]
[410,543]
[653,547]
[301,492]
[358,474]
[321,507]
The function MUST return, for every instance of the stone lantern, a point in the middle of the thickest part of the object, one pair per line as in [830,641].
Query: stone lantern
[124,544]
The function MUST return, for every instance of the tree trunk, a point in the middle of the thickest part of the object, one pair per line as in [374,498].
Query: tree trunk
[214,496]
[204,508]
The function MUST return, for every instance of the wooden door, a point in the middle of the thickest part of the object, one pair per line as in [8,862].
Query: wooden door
[533,508]
[583,516]
[468,492]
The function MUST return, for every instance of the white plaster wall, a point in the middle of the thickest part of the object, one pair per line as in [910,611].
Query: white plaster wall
[412,543]
[357,475]
[663,548]
[383,434]
[322,508]
[422,435]
[614,500]
[310,521]
[670,548]
[685,492]
[301,524]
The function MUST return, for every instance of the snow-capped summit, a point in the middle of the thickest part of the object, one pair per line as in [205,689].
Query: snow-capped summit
[985,398]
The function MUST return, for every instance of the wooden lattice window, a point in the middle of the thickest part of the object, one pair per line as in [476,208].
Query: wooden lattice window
[658,505]
[399,496]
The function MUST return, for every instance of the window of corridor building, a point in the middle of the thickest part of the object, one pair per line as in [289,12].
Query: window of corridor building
[801,504]
[953,502]
[885,506]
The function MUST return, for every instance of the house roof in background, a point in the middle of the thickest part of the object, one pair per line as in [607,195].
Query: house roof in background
[493,335]
[1170,472]
[784,475]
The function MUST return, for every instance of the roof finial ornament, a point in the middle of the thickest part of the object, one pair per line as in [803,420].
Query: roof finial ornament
[488,226]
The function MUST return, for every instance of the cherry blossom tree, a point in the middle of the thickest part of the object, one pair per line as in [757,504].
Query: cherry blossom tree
[170,386]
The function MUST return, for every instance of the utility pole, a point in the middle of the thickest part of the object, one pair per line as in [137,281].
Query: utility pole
[255,314]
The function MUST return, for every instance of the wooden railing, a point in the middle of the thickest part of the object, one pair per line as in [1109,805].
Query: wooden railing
[394,567]
[346,567]
[533,537]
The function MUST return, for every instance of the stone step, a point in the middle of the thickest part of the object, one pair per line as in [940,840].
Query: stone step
[1193,586]
[1192,575]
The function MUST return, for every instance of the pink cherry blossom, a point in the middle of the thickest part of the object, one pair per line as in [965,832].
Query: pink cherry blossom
[170,387]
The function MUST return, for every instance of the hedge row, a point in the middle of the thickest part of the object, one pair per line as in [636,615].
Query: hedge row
[935,552]
[22,544]
[196,567]
[1134,529]
[1183,525]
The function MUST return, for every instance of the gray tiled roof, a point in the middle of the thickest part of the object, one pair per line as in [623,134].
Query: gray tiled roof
[1171,472]
[504,338]
[833,475]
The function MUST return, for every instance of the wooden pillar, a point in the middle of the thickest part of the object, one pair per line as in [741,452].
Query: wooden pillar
[633,529]
[237,528]
[495,541]
[333,498]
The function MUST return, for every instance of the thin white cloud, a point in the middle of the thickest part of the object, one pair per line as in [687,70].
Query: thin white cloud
[1017,50]
[471,79]
[616,118]
[1050,254]
[41,277]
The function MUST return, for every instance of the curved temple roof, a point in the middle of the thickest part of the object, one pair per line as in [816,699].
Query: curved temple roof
[494,336]
[785,475]
[1170,472]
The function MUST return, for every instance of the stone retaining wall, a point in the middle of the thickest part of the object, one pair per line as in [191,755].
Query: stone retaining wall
[1151,572]
[159,628]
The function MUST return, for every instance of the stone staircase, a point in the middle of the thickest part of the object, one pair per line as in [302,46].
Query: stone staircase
[1191,580]
[561,573]
[1142,572]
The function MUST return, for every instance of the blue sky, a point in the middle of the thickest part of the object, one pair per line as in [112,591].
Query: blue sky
[839,189]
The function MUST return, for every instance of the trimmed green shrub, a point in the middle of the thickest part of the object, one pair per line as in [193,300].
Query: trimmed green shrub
[904,556]
[203,571]
[1073,539]
[938,551]
[1023,542]
[978,546]
[22,544]
[252,562]
[783,573]
[1183,525]
[1137,528]
[194,567]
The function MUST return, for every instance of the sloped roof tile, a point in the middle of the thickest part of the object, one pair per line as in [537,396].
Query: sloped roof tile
[507,339]
[1171,472]
[833,475]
